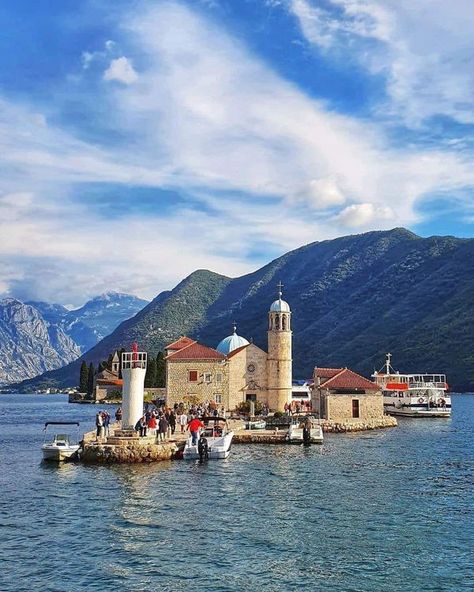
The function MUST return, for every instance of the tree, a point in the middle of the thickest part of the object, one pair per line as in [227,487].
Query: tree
[160,380]
[83,377]
[90,381]
[150,376]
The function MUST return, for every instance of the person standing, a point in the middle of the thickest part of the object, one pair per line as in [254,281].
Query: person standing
[99,424]
[106,421]
[194,426]
[172,421]
[152,424]
[183,421]
[118,415]
[162,428]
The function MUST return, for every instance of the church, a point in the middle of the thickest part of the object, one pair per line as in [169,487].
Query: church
[236,370]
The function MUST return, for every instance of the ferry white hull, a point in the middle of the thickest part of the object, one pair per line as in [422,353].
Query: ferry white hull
[413,395]
[411,407]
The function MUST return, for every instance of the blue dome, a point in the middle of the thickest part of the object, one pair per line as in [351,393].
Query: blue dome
[280,306]
[230,343]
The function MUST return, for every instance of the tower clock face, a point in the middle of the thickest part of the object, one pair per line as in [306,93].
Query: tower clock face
[251,367]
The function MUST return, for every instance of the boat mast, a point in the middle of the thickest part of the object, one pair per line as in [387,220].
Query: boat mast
[387,363]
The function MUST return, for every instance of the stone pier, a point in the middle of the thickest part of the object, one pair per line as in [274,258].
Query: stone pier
[125,446]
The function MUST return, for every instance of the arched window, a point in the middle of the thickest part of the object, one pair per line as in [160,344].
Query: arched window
[277,322]
[283,322]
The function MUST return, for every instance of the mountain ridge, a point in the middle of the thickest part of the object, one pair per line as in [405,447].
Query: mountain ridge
[353,299]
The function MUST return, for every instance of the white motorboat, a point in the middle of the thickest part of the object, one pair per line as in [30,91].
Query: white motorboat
[259,424]
[296,433]
[58,447]
[214,441]
[413,395]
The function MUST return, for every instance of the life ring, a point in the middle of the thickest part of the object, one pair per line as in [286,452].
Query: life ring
[421,400]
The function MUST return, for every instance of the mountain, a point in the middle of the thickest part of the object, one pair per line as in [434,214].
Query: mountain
[29,345]
[95,320]
[353,299]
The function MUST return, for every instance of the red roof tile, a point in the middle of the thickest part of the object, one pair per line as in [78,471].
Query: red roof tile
[180,343]
[347,379]
[327,372]
[195,351]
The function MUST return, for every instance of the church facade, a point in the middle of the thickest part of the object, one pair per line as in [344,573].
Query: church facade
[236,370]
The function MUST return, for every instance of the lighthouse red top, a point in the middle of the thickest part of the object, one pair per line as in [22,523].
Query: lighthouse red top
[134,351]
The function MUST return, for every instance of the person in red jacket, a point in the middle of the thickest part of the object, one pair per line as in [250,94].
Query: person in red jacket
[194,426]
[152,424]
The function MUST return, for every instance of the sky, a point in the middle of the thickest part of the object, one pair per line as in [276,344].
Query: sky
[142,140]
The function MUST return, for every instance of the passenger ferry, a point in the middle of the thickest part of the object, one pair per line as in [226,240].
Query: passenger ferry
[413,395]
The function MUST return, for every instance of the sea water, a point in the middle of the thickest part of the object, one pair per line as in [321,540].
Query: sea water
[388,510]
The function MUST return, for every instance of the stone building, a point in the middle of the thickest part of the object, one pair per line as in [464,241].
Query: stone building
[236,371]
[342,395]
[107,382]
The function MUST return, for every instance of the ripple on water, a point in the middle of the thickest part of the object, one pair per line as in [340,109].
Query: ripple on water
[389,510]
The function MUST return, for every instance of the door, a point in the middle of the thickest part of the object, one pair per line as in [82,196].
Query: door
[355,408]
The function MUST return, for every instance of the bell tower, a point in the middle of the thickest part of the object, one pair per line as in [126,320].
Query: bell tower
[279,361]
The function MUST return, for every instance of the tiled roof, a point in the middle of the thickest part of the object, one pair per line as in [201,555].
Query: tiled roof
[348,380]
[326,372]
[180,343]
[195,351]
[105,381]
[236,351]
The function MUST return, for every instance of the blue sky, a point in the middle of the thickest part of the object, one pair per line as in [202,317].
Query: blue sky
[141,141]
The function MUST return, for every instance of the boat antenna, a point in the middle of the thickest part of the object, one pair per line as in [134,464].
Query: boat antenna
[387,363]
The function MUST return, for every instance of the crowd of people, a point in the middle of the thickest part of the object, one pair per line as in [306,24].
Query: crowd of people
[163,421]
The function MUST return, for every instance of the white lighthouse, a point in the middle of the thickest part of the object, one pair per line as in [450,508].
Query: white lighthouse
[133,374]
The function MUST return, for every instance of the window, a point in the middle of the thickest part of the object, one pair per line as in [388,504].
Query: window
[193,376]
[207,377]
[218,398]
[355,408]
[251,397]
[218,377]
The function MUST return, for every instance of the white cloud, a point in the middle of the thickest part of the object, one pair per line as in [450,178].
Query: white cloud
[121,69]
[423,47]
[367,215]
[322,193]
[210,118]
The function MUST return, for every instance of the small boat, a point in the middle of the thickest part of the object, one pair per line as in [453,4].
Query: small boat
[413,395]
[296,433]
[59,447]
[214,441]
[256,425]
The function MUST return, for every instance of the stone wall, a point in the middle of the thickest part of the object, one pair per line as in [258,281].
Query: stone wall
[243,381]
[354,425]
[133,452]
[179,388]
[339,406]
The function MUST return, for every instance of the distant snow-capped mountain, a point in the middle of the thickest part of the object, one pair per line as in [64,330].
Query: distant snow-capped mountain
[95,320]
[30,345]
[38,336]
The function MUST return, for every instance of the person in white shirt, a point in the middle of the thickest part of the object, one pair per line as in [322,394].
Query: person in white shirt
[183,422]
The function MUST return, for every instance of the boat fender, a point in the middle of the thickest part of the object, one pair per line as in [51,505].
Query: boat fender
[421,400]
[203,449]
